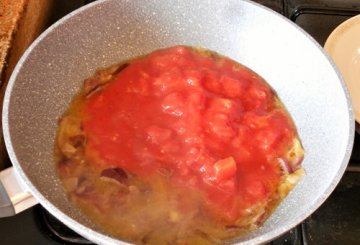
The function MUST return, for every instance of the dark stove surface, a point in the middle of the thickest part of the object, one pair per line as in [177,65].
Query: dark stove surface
[355,156]
[337,221]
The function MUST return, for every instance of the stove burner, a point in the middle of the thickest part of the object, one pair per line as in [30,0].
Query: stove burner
[56,230]
[338,219]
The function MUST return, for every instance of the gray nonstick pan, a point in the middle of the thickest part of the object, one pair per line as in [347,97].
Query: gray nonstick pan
[106,32]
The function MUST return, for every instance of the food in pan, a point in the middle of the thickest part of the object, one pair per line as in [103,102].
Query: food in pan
[181,146]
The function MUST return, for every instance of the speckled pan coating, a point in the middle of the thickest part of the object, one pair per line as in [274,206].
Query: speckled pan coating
[106,32]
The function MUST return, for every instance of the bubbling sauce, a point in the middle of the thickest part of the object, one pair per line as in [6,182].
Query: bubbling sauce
[181,146]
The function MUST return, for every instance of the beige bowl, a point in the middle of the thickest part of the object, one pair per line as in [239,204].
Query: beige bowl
[343,46]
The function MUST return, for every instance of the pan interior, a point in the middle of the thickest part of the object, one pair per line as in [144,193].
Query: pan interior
[107,32]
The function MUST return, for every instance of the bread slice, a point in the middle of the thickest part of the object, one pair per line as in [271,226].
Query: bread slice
[10,14]
[21,21]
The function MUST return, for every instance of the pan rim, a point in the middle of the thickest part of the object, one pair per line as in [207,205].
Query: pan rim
[101,238]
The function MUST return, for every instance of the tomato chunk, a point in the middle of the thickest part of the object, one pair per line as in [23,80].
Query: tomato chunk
[173,104]
[225,169]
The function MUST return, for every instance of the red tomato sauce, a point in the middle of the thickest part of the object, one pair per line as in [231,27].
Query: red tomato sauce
[207,122]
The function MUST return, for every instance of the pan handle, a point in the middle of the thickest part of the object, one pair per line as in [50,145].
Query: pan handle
[14,197]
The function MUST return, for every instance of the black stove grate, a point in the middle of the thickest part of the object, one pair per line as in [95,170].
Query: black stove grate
[338,219]
[57,231]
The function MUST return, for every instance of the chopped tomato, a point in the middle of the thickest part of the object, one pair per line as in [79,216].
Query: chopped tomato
[232,87]
[256,189]
[219,125]
[211,123]
[157,134]
[193,78]
[173,104]
[225,169]
[211,81]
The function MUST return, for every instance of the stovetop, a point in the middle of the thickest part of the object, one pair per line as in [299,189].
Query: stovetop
[337,221]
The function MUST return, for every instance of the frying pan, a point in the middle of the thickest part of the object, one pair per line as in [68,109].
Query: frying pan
[106,32]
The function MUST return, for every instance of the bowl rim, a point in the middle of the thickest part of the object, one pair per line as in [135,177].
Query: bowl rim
[329,47]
